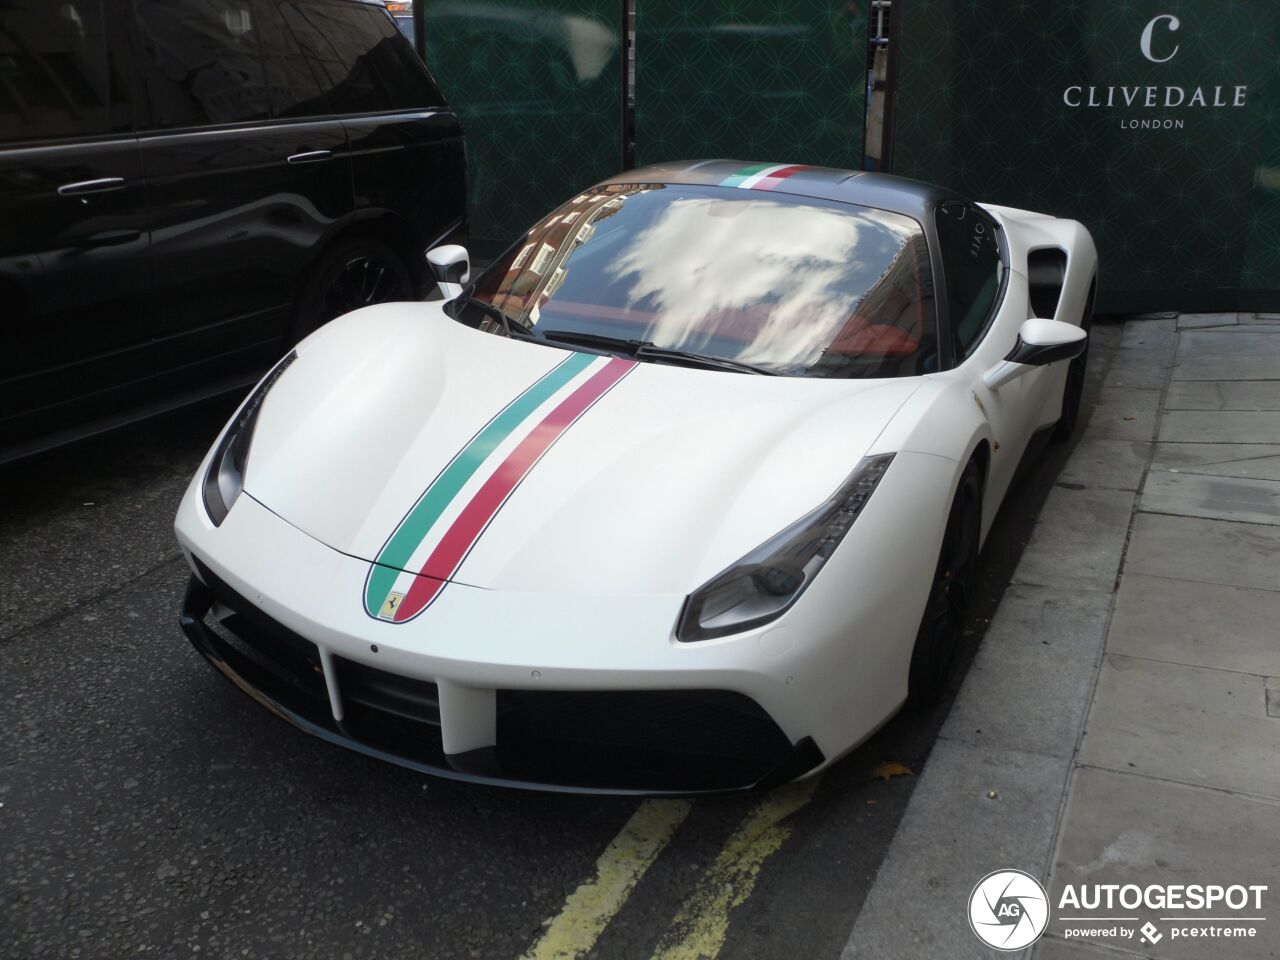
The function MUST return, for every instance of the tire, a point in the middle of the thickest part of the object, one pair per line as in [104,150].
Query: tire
[355,273]
[1073,391]
[943,620]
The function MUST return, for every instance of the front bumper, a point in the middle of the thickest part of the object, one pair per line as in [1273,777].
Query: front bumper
[511,677]
[639,742]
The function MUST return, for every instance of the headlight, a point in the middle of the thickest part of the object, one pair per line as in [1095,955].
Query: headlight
[763,584]
[225,479]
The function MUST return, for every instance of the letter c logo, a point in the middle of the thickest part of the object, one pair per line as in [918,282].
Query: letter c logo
[1150,28]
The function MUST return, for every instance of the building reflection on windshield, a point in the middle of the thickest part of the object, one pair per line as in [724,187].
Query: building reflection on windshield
[541,265]
[797,285]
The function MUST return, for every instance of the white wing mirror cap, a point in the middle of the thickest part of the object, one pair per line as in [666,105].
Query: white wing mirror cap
[1040,343]
[451,267]
[1050,333]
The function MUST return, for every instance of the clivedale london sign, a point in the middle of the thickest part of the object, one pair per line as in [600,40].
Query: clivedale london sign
[1158,44]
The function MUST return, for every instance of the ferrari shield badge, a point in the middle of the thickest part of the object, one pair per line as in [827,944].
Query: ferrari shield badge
[388,611]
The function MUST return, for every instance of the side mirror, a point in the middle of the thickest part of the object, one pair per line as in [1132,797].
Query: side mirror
[1040,343]
[451,267]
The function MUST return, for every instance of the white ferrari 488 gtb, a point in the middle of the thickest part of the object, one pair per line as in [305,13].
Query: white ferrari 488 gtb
[683,493]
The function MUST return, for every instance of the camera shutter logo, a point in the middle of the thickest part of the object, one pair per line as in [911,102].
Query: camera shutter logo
[1008,910]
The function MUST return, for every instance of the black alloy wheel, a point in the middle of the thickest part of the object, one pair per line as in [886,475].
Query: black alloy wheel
[356,273]
[362,281]
[949,594]
[1073,392]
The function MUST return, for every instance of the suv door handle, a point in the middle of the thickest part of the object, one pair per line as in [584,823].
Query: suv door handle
[86,187]
[312,156]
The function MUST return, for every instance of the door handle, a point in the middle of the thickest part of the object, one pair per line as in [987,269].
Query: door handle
[110,238]
[86,187]
[311,156]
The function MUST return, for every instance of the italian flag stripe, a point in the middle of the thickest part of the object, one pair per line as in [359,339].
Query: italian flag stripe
[771,179]
[739,176]
[488,500]
[761,176]
[400,546]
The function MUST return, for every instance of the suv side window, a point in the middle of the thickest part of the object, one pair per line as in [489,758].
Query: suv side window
[203,62]
[973,269]
[53,70]
[368,64]
[292,81]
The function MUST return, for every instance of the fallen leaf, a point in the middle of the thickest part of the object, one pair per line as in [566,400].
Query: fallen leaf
[892,768]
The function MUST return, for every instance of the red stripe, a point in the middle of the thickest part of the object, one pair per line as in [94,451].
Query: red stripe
[771,181]
[466,529]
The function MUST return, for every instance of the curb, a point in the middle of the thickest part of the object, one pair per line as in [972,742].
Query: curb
[992,792]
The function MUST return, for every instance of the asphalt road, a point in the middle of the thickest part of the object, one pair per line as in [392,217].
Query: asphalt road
[151,809]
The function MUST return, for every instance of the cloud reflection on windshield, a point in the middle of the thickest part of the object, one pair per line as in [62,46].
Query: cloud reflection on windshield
[705,256]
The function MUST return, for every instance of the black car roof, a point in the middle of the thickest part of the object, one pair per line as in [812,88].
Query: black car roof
[898,194]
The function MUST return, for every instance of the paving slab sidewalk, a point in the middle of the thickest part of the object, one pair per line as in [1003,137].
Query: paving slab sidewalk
[1121,722]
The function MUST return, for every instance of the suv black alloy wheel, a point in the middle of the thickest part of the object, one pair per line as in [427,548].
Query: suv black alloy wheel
[356,273]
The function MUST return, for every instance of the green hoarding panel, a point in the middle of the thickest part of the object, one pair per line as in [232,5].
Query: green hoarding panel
[763,80]
[1154,122]
[538,88]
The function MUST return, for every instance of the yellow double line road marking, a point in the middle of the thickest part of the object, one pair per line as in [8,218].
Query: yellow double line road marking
[699,929]
[702,922]
[588,910]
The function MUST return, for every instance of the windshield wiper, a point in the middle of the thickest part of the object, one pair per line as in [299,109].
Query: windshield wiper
[499,315]
[647,350]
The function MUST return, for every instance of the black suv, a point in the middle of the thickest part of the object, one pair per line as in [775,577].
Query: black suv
[187,186]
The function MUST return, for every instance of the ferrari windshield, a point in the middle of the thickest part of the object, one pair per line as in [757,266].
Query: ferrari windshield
[788,285]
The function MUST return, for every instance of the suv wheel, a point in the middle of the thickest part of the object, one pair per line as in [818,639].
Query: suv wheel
[356,273]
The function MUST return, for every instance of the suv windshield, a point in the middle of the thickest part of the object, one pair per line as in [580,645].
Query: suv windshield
[792,285]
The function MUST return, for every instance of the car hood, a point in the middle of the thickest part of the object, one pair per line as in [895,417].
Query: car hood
[627,479]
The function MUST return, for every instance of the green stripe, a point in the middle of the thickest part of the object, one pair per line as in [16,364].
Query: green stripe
[414,528]
[739,175]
